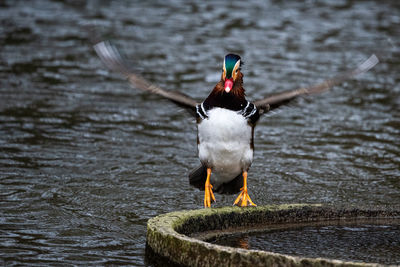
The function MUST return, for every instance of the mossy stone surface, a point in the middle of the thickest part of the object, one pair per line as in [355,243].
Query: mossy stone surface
[169,235]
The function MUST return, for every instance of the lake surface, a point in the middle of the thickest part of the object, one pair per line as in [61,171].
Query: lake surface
[85,160]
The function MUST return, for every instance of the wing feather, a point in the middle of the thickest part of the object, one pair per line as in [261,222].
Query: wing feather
[111,57]
[276,100]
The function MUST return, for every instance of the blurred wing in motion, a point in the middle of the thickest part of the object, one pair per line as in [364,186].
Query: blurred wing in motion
[111,57]
[274,101]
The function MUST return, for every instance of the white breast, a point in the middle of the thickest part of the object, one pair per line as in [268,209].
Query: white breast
[225,138]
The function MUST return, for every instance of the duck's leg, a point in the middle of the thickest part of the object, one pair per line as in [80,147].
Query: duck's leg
[244,196]
[208,193]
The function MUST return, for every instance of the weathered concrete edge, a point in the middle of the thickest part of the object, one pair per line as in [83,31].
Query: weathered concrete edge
[164,240]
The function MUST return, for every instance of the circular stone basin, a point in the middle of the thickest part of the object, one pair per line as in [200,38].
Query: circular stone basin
[266,235]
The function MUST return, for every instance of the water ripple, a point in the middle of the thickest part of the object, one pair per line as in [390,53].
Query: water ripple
[85,160]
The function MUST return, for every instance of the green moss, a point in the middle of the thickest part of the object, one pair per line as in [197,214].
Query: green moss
[168,234]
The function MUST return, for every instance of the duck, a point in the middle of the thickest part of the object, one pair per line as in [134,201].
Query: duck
[225,120]
[225,134]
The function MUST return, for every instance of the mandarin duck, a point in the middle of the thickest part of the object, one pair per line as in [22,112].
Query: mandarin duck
[225,121]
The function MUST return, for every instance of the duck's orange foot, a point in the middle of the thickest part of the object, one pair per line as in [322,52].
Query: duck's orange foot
[208,195]
[244,199]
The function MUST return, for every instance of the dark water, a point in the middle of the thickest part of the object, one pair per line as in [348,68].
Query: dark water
[359,242]
[85,160]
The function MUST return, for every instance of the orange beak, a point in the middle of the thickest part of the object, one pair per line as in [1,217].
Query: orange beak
[228,85]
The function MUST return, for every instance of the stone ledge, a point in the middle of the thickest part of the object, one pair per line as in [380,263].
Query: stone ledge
[171,235]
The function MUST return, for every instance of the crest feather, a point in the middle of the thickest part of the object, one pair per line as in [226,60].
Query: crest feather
[230,61]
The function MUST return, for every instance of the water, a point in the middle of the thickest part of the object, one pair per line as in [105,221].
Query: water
[354,242]
[85,160]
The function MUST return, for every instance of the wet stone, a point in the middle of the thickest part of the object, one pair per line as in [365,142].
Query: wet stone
[183,237]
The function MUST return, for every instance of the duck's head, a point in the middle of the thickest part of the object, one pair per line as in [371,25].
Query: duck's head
[231,71]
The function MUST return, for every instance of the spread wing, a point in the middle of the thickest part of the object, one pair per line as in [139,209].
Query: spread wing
[111,57]
[276,100]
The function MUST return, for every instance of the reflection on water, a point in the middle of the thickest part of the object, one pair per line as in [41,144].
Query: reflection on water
[243,242]
[85,160]
[360,242]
